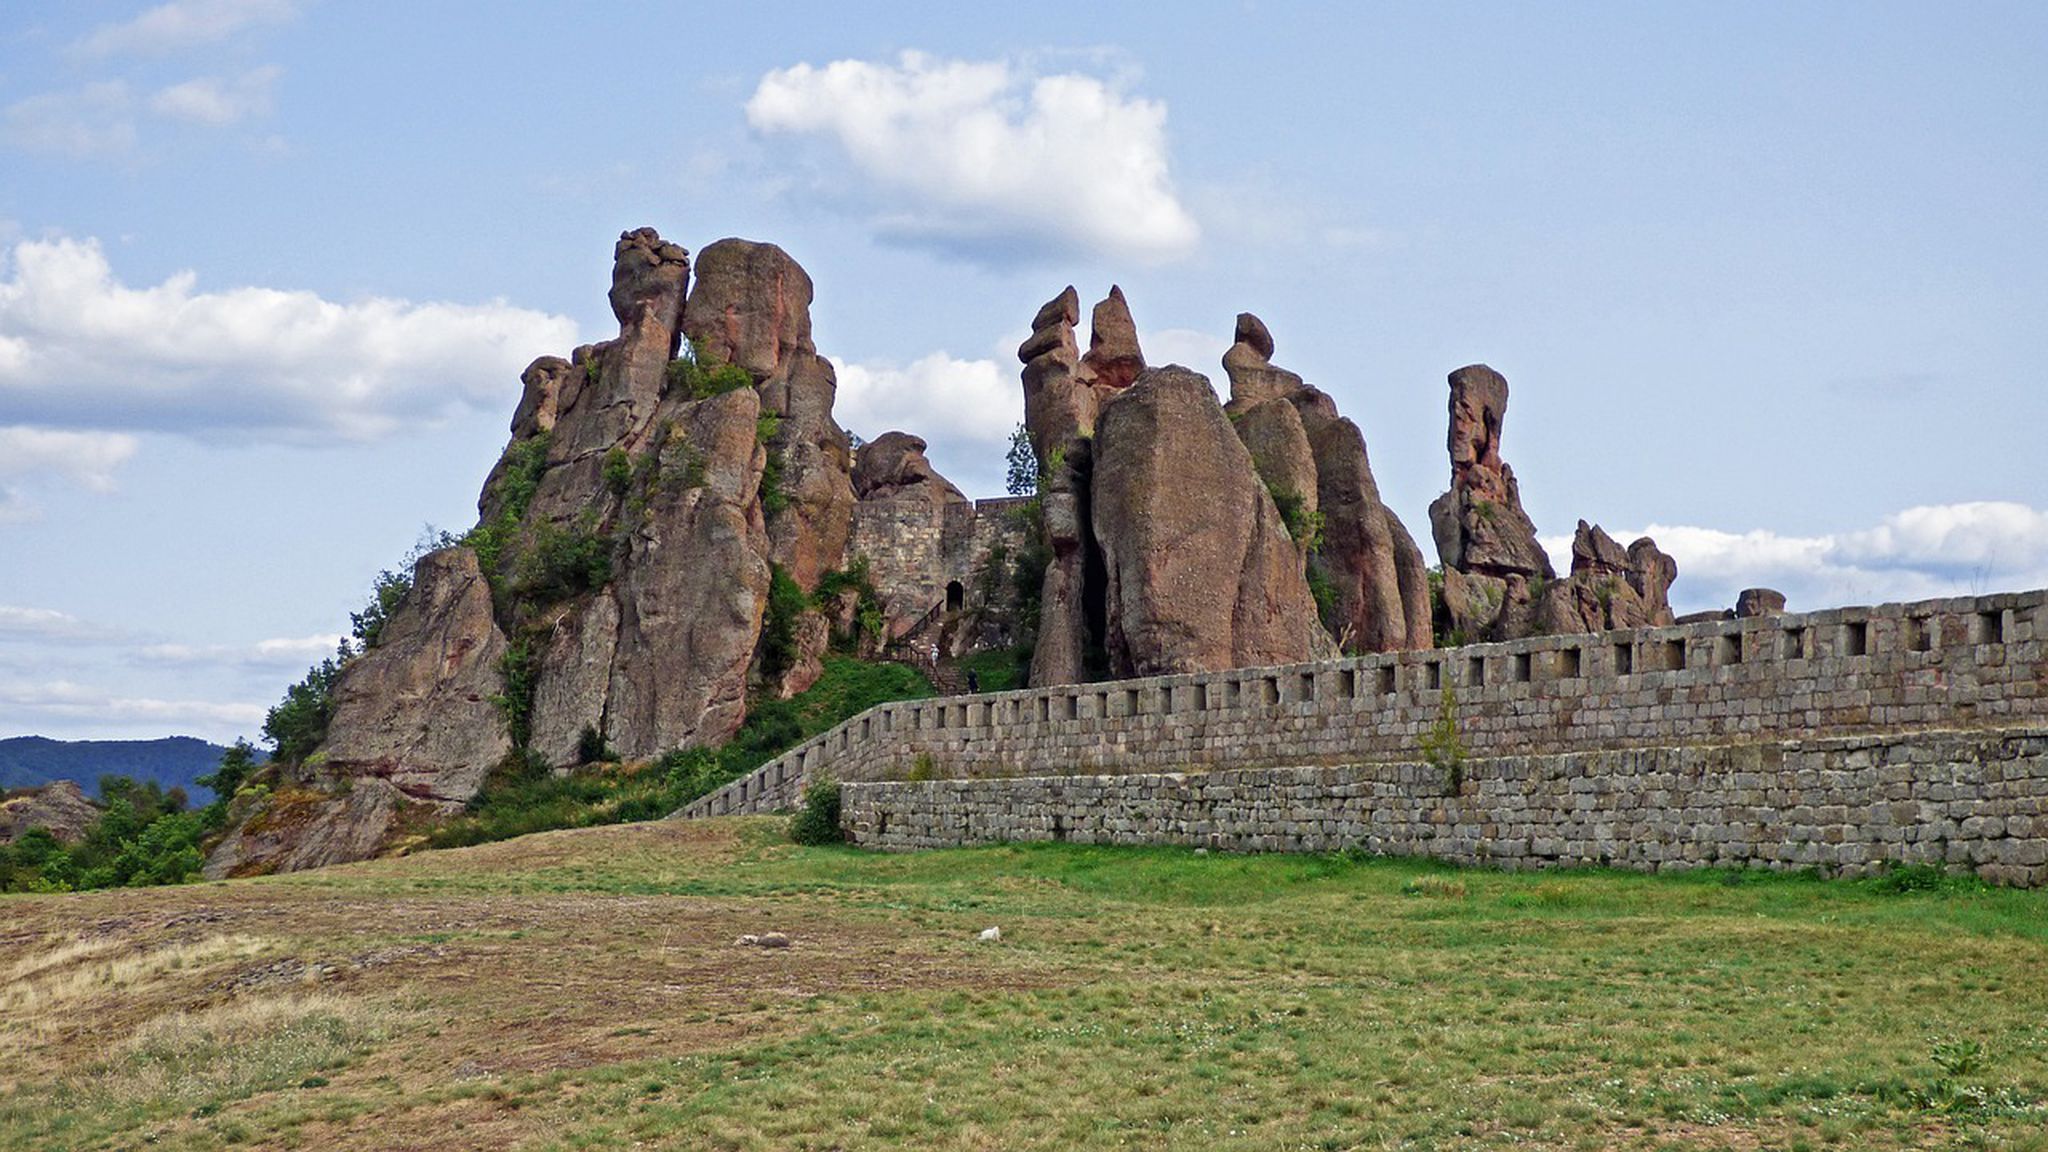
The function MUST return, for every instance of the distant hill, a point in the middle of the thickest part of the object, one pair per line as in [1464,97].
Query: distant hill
[32,761]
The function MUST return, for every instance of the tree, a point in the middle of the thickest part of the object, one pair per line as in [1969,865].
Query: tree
[298,723]
[236,765]
[1023,478]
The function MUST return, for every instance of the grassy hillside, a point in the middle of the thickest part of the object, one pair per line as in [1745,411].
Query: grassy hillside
[174,761]
[582,989]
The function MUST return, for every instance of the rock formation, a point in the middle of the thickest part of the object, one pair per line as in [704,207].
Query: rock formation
[417,711]
[1316,460]
[1059,415]
[1498,583]
[1609,587]
[1479,524]
[1193,584]
[59,807]
[752,307]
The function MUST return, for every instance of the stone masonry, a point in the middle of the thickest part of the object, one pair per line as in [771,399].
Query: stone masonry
[1702,697]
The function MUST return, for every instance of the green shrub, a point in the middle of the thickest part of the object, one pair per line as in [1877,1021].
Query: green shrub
[557,564]
[520,667]
[690,375]
[786,602]
[1442,748]
[817,822]
[618,470]
[774,499]
[593,748]
[1305,526]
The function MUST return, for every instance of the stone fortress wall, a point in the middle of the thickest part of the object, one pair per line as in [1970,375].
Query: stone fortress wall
[1773,729]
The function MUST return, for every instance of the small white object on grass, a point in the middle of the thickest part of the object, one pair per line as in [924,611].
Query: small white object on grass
[992,935]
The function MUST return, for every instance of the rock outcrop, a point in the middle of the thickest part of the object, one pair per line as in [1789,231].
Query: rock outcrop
[1193,582]
[752,307]
[59,807]
[1498,583]
[1609,586]
[417,710]
[1314,461]
[1059,415]
[1479,524]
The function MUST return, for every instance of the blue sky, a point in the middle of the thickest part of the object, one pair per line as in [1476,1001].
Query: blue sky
[1767,279]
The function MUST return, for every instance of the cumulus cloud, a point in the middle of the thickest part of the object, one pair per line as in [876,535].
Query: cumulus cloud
[965,409]
[218,101]
[80,348]
[96,120]
[985,158]
[1920,553]
[181,25]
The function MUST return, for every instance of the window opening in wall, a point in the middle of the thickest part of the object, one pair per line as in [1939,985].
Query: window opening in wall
[1624,659]
[1795,643]
[1347,684]
[1130,701]
[1432,676]
[1728,649]
[1308,686]
[1201,692]
[867,728]
[1234,695]
[1990,627]
[1475,671]
[1856,638]
[1387,680]
[1568,664]
[1272,690]
[956,596]
[1919,637]
[1102,703]
[1045,709]
[1524,667]
[1674,655]
[845,739]
[1073,705]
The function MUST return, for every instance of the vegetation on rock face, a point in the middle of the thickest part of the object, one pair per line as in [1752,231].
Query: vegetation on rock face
[523,796]
[869,620]
[1304,525]
[697,375]
[786,602]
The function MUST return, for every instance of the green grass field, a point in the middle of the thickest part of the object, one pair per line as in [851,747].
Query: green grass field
[583,990]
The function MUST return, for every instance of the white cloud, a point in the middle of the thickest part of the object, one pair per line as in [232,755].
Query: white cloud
[1920,553]
[183,24]
[88,458]
[984,157]
[67,709]
[93,121]
[48,624]
[80,348]
[218,101]
[964,409]
[280,654]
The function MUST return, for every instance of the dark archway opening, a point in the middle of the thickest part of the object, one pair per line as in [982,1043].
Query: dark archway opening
[956,596]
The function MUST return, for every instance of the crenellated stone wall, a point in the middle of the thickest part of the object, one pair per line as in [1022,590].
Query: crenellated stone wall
[1652,719]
